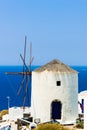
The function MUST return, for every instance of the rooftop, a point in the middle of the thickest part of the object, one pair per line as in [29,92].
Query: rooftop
[56,66]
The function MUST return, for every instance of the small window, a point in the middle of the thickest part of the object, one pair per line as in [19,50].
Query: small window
[58,83]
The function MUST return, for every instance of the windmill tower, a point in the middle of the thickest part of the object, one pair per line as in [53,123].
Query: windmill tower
[26,74]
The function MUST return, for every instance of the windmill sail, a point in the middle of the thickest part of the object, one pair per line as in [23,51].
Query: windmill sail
[26,74]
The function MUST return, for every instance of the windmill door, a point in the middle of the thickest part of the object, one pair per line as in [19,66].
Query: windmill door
[56,107]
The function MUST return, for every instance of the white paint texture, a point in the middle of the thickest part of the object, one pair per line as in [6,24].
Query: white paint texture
[45,90]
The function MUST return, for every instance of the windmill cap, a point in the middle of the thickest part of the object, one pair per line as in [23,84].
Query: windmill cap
[56,66]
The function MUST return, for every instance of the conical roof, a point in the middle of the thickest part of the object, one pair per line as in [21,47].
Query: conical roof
[56,66]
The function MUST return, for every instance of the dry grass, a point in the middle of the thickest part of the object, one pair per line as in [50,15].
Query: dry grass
[3,112]
[49,126]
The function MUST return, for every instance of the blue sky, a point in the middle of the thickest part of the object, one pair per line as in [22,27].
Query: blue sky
[56,28]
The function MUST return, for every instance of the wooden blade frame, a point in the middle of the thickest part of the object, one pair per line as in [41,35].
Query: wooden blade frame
[26,71]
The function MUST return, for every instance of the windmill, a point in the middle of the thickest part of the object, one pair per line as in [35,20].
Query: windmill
[26,74]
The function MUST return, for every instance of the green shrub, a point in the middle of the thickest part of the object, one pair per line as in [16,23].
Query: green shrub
[80,125]
[49,126]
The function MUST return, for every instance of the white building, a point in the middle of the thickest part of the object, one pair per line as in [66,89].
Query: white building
[55,93]
[81,96]
[82,106]
[15,113]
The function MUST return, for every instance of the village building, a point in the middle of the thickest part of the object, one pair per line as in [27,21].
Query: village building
[15,113]
[55,93]
[81,97]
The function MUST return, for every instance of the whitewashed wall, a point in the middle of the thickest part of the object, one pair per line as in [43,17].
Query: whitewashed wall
[15,113]
[44,91]
[81,95]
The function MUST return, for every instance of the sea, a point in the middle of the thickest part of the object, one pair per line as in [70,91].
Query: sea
[10,84]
